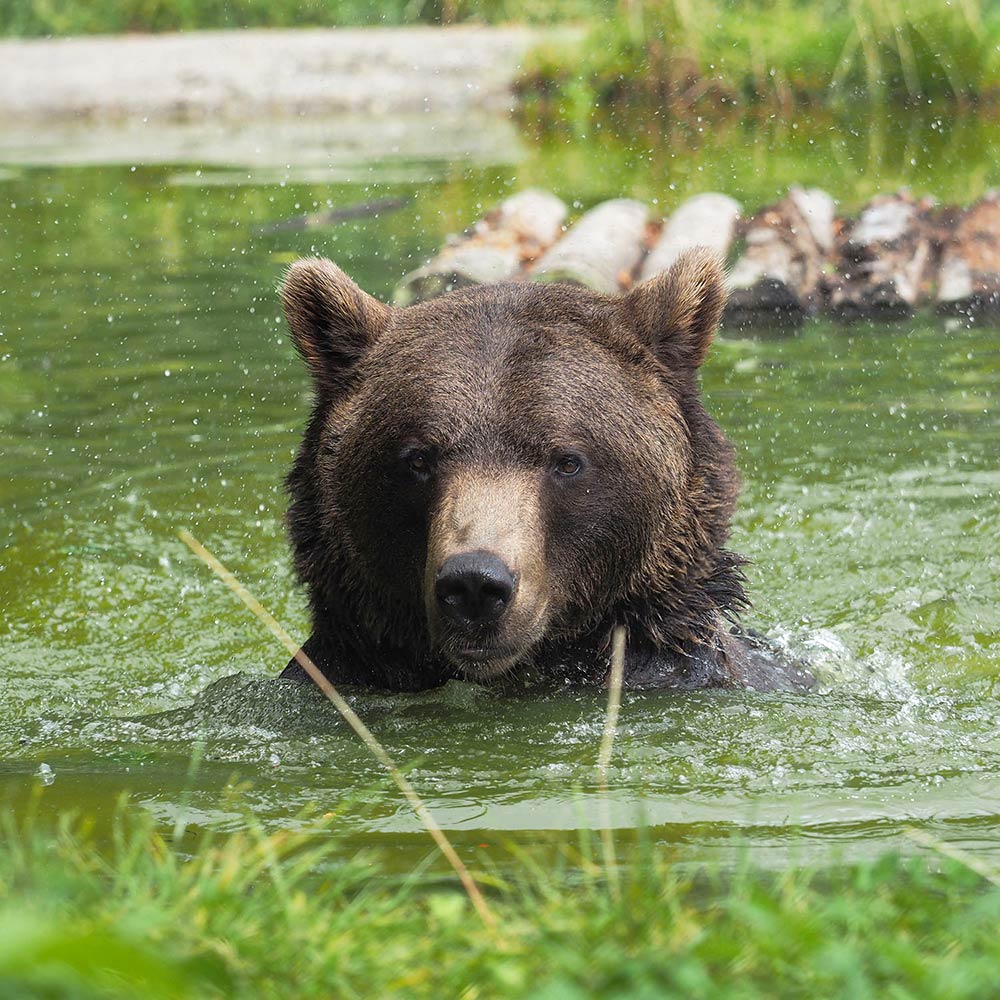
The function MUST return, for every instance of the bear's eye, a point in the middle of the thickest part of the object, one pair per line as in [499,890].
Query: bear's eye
[568,466]
[419,461]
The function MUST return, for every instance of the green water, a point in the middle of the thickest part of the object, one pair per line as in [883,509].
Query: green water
[147,384]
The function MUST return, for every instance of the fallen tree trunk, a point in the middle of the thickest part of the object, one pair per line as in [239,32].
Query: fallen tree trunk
[885,260]
[602,251]
[969,278]
[779,278]
[706,220]
[496,248]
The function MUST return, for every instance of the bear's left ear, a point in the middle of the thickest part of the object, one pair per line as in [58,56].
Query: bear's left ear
[677,313]
[332,321]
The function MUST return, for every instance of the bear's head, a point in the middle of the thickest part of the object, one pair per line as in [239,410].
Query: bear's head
[510,466]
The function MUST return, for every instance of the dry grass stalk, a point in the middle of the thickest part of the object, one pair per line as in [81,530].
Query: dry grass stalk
[974,864]
[604,755]
[352,719]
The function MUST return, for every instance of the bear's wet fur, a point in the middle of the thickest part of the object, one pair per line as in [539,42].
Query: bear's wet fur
[491,481]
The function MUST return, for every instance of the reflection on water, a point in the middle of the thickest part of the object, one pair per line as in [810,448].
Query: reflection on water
[308,149]
[147,384]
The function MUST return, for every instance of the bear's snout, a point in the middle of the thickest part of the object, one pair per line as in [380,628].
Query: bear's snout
[484,584]
[474,589]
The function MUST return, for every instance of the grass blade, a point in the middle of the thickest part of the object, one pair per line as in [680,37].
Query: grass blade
[970,861]
[352,719]
[607,742]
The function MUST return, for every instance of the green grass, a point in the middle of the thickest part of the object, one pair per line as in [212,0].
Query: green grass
[294,915]
[29,18]
[679,55]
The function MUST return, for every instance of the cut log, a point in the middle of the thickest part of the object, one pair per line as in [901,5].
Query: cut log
[885,260]
[779,278]
[969,278]
[602,251]
[496,248]
[706,220]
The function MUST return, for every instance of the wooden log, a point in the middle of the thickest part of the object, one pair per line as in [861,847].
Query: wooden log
[496,248]
[779,278]
[706,220]
[884,260]
[969,277]
[602,251]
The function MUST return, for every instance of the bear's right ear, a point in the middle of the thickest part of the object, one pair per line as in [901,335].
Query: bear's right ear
[677,313]
[333,322]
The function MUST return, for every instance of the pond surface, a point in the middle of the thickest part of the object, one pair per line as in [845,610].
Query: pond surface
[147,384]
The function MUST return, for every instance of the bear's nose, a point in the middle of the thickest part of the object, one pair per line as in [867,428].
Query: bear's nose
[474,588]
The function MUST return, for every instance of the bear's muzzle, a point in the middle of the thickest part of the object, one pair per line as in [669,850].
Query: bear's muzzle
[484,584]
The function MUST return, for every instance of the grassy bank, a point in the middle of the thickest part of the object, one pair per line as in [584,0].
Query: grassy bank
[288,914]
[679,55]
[28,18]
[674,54]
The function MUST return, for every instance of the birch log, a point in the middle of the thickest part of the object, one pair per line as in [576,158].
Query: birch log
[496,248]
[706,220]
[969,279]
[885,259]
[779,278]
[602,251]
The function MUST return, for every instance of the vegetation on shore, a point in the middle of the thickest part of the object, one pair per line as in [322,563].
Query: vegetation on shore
[292,914]
[678,55]
[29,18]
[674,54]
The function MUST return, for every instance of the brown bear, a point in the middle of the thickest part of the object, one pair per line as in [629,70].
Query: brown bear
[491,481]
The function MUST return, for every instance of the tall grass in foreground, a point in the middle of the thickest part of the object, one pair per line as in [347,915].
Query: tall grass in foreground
[677,53]
[292,915]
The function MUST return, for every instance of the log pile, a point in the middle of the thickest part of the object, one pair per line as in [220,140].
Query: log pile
[602,251]
[706,220]
[969,279]
[496,248]
[780,275]
[790,260]
[887,259]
